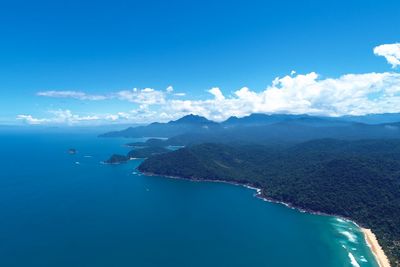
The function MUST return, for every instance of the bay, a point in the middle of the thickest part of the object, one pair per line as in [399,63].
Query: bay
[59,209]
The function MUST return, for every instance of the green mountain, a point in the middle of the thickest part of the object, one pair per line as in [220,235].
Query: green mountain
[292,131]
[146,152]
[359,179]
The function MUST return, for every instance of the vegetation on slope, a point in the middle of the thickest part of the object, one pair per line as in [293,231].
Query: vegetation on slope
[355,179]
[147,152]
[116,159]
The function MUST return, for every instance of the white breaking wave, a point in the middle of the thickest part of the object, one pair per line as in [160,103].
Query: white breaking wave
[340,220]
[353,260]
[350,236]
[363,259]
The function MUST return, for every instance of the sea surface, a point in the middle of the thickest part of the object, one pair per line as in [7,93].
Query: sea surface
[58,209]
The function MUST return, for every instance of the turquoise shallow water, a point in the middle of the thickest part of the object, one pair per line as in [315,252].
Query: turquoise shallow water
[70,210]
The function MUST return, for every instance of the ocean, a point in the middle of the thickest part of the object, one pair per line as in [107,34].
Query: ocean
[59,209]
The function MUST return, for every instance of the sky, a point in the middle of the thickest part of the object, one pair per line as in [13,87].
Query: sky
[101,62]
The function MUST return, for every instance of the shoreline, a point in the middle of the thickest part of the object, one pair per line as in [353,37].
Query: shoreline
[258,194]
[370,238]
[376,249]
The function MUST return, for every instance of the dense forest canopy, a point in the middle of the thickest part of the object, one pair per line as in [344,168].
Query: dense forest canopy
[355,179]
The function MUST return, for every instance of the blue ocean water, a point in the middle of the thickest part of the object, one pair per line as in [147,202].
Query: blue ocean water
[61,210]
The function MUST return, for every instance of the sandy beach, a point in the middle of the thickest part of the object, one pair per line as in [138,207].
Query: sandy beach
[376,248]
[370,237]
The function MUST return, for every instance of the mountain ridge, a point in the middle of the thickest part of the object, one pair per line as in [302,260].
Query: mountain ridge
[198,124]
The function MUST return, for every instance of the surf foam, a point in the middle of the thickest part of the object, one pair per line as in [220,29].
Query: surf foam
[353,260]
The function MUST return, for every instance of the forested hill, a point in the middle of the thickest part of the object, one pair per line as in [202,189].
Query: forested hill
[355,179]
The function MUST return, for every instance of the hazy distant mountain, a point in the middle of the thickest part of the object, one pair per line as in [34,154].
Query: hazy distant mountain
[259,119]
[262,127]
[189,123]
[374,118]
[289,132]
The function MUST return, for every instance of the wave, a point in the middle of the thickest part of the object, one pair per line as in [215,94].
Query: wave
[353,260]
[350,236]
[340,220]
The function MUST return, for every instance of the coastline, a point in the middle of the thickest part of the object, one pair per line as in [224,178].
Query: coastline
[376,249]
[370,238]
[258,194]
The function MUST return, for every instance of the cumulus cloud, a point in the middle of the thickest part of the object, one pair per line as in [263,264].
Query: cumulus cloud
[350,94]
[71,94]
[391,52]
[216,92]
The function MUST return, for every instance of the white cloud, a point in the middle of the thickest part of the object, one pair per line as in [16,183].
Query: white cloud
[216,92]
[71,94]
[170,90]
[142,114]
[354,94]
[179,94]
[391,52]
[60,117]
[350,94]
[147,96]
[112,117]
[67,116]
[31,120]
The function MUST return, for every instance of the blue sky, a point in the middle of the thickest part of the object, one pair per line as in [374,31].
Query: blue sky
[78,61]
